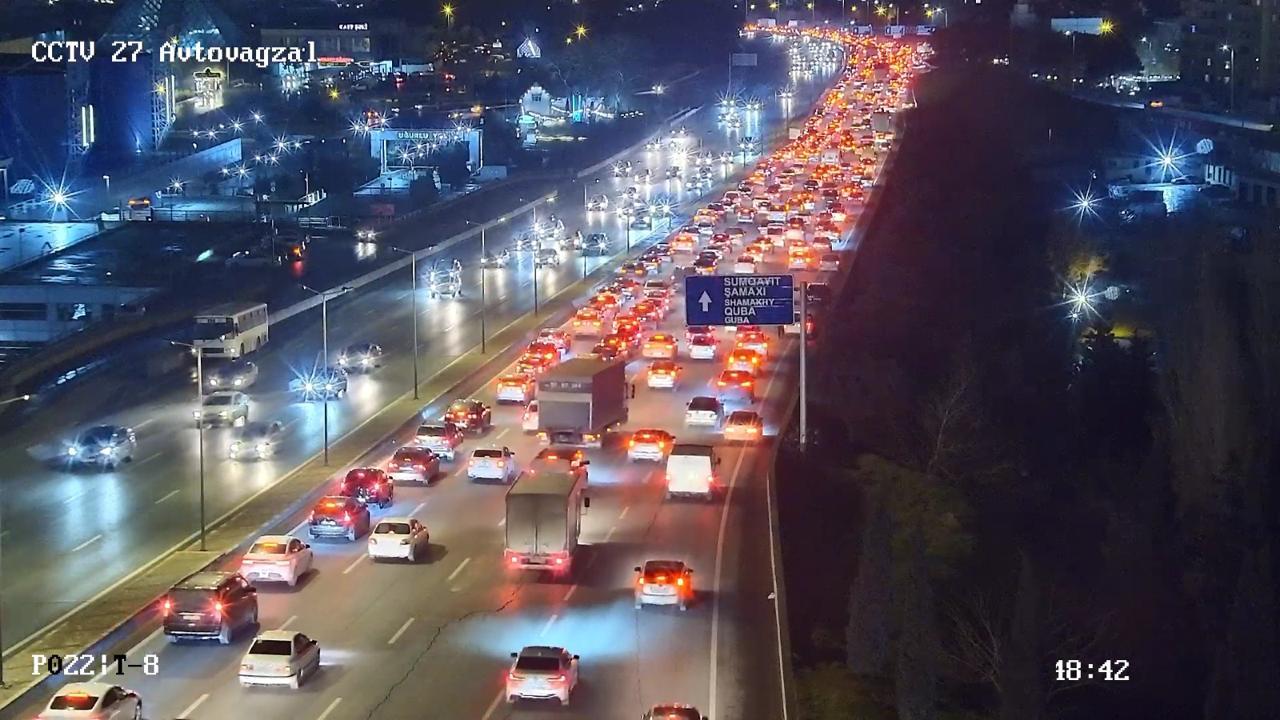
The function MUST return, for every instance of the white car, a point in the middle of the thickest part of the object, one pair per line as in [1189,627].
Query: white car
[598,203]
[744,266]
[649,444]
[404,538]
[225,407]
[829,262]
[704,411]
[280,657]
[702,347]
[93,701]
[662,375]
[492,464]
[542,672]
[529,421]
[277,558]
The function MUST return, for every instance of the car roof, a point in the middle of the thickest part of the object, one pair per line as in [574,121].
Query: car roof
[664,565]
[92,688]
[275,538]
[401,519]
[541,651]
[276,635]
[205,580]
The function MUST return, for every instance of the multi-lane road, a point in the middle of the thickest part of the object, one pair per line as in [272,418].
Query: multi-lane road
[70,534]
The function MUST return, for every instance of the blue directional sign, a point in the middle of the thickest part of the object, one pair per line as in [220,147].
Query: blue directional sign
[739,300]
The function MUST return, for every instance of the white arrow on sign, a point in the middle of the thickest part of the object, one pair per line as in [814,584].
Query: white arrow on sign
[705,301]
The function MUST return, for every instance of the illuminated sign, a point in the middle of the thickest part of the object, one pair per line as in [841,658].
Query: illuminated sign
[354,26]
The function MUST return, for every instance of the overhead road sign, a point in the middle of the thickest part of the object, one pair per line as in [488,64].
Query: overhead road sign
[739,300]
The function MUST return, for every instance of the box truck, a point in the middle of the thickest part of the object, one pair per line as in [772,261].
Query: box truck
[544,518]
[580,400]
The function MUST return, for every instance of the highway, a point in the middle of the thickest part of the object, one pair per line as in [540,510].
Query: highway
[70,534]
[431,639]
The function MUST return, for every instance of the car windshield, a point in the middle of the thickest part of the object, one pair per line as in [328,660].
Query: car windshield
[408,454]
[268,547]
[703,403]
[391,528]
[219,400]
[431,431]
[191,600]
[212,330]
[673,713]
[74,701]
[537,663]
[263,646]
[360,349]
[658,568]
[741,417]
[482,453]
[101,434]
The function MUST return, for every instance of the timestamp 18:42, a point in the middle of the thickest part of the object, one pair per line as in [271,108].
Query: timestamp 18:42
[1077,670]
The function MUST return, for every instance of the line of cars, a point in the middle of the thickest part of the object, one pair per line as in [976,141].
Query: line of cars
[214,605]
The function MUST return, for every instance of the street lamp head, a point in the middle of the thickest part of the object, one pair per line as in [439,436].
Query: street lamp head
[1106,27]
[1225,47]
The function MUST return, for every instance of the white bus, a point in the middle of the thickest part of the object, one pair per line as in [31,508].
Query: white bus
[231,330]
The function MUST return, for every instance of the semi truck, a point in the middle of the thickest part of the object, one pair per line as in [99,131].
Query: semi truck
[544,518]
[580,400]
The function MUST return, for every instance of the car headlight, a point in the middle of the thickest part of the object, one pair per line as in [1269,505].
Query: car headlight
[309,387]
[365,361]
[107,450]
[213,380]
[328,387]
[237,382]
[224,413]
[196,414]
[73,451]
[264,447]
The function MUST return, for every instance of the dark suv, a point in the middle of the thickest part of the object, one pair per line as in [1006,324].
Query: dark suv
[338,516]
[210,605]
[370,486]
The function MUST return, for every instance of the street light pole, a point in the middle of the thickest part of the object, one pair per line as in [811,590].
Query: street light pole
[413,269]
[199,428]
[324,334]
[804,364]
[483,282]
[1232,84]
[535,285]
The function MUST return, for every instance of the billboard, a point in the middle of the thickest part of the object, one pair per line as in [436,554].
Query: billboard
[1083,26]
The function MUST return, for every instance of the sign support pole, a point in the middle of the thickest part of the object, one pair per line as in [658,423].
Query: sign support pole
[804,364]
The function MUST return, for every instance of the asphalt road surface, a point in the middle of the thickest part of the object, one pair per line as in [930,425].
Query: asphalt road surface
[70,533]
[432,639]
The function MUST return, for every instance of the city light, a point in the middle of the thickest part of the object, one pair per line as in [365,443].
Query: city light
[1168,159]
[1106,27]
[580,31]
[237,125]
[257,117]
[1080,299]
[1085,203]
[658,89]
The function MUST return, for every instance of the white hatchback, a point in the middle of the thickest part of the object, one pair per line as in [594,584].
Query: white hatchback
[492,464]
[93,701]
[402,538]
[542,672]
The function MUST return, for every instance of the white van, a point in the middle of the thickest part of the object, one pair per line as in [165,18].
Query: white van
[692,470]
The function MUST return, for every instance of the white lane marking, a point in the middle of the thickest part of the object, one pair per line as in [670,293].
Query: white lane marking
[550,621]
[400,632]
[284,625]
[777,604]
[418,509]
[75,497]
[147,459]
[715,584]
[87,543]
[465,561]
[569,595]
[192,707]
[624,512]
[609,535]
[144,423]
[332,706]
[503,434]
[354,563]
[493,706]
[170,494]
[502,522]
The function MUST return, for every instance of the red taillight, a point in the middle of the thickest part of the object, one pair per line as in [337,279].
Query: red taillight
[631,443]
[217,607]
[721,383]
[346,518]
[166,607]
[556,679]
[559,561]
[746,383]
[680,582]
[515,559]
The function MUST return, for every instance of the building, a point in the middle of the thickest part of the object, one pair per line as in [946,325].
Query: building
[1231,51]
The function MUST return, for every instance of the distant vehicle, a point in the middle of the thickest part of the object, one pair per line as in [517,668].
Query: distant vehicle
[338,516]
[277,558]
[596,243]
[231,329]
[103,445]
[649,444]
[560,460]
[674,711]
[93,700]
[703,411]
[324,384]
[469,415]
[540,672]
[236,375]
[404,538]
[280,657]
[492,463]
[547,257]
[691,470]
[598,203]
[224,407]
[209,605]
[664,582]
[743,426]
[361,357]
[369,486]
[256,441]
[413,464]
[442,439]
[491,261]
[366,234]
[544,519]
[257,257]
[579,400]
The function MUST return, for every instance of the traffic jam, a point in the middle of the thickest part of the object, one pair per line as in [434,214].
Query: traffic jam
[623,404]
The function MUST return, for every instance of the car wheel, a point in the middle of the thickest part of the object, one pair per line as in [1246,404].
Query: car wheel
[224,635]
[254,620]
[413,555]
[296,681]
[351,535]
[137,711]
[293,580]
